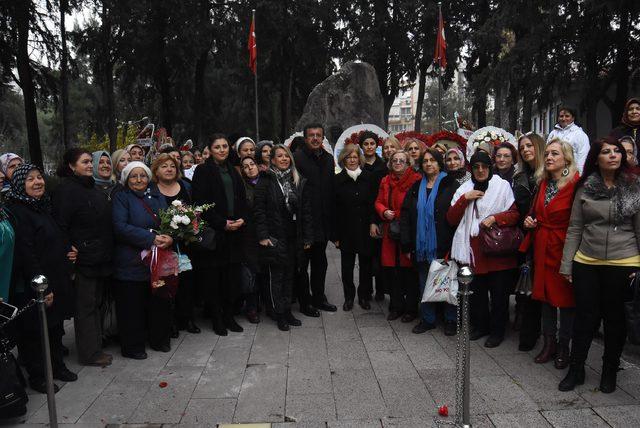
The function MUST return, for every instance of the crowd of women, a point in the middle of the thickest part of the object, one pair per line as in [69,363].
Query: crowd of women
[275,207]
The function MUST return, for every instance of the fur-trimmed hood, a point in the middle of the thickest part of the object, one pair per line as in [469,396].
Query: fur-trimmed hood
[625,195]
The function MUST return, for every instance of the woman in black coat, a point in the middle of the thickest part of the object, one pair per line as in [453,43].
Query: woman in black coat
[84,214]
[282,213]
[41,248]
[217,181]
[355,193]
[432,165]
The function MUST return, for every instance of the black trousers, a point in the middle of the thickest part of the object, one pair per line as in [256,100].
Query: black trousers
[376,266]
[30,349]
[497,284]
[365,284]
[140,315]
[316,257]
[403,289]
[185,297]
[531,320]
[87,321]
[600,293]
[222,286]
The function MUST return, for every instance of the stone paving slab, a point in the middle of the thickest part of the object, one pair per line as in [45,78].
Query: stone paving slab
[341,370]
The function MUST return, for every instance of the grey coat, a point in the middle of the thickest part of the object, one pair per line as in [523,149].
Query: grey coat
[603,225]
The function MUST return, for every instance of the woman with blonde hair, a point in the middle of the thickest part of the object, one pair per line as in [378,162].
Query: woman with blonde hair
[548,221]
[400,275]
[355,193]
[390,146]
[415,148]
[119,159]
[530,158]
[284,229]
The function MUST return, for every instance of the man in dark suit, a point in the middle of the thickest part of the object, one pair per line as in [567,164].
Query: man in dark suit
[317,166]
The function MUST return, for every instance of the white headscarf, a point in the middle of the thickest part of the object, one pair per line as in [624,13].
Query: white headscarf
[124,175]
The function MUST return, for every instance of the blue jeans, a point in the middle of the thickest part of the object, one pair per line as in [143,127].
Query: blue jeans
[428,310]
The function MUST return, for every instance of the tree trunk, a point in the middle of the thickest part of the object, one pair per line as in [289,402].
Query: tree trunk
[26,83]
[497,109]
[422,80]
[621,68]
[107,76]
[199,99]
[64,75]
[512,103]
[527,107]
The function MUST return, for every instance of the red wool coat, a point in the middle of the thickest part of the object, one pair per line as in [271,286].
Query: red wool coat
[398,188]
[548,241]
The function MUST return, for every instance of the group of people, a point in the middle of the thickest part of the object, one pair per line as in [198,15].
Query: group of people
[274,210]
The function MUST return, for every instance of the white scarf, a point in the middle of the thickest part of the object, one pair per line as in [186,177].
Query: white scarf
[498,198]
[354,174]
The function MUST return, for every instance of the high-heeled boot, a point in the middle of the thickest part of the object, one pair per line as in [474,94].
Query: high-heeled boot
[548,351]
[575,376]
[608,379]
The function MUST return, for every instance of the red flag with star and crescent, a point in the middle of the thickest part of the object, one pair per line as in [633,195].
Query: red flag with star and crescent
[253,48]
[440,54]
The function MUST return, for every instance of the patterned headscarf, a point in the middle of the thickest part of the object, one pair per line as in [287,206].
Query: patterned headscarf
[6,159]
[17,192]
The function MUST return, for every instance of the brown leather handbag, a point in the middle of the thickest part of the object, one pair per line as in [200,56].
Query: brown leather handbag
[501,241]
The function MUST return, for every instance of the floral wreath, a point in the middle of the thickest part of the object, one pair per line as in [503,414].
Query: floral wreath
[413,135]
[491,135]
[433,139]
[356,136]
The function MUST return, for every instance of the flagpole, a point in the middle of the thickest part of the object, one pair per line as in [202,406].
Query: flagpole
[255,80]
[439,72]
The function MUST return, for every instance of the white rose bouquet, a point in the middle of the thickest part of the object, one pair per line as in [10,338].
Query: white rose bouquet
[182,222]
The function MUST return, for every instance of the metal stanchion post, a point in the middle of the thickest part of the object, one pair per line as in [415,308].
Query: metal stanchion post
[40,285]
[465,276]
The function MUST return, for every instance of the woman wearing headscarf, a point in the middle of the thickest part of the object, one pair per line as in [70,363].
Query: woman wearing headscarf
[530,151]
[630,122]
[8,163]
[218,182]
[41,248]
[425,232]
[103,173]
[282,213]
[84,214]
[136,151]
[135,219]
[600,254]
[548,222]
[456,165]
[355,192]
[399,271]
[484,201]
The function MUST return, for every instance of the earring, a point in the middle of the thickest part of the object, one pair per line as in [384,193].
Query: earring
[565,171]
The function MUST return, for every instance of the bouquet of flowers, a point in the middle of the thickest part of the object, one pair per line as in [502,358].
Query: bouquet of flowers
[182,222]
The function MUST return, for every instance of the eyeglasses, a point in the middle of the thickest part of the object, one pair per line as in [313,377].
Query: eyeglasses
[139,177]
[398,161]
[479,166]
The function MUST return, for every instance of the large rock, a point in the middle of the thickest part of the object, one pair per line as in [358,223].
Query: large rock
[349,97]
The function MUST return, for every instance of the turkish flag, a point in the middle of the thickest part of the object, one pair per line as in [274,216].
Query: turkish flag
[440,55]
[253,48]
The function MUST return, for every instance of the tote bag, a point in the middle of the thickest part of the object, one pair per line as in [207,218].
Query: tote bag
[442,282]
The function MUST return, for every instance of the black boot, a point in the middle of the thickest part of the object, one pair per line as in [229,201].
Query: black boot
[218,326]
[291,320]
[231,324]
[608,379]
[283,325]
[575,376]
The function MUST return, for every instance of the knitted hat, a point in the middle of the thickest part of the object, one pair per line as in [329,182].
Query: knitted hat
[124,176]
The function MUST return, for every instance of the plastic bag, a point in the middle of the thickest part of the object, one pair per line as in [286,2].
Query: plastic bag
[442,282]
[164,266]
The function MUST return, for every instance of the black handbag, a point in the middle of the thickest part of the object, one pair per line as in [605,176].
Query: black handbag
[13,397]
[205,240]
[632,312]
[394,225]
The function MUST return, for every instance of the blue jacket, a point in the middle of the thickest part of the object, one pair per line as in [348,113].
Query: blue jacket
[133,227]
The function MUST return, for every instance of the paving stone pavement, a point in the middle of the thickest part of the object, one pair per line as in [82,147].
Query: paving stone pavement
[345,369]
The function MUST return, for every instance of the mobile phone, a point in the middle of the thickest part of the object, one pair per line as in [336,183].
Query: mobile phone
[7,311]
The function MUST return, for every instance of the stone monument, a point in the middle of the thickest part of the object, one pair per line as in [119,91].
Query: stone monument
[349,97]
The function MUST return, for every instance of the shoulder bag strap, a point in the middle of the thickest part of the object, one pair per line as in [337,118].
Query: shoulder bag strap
[150,211]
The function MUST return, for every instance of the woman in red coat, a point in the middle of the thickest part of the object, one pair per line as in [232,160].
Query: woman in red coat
[548,222]
[401,276]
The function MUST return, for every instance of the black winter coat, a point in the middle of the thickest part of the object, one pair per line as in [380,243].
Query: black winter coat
[41,248]
[249,234]
[409,217]
[207,188]
[319,171]
[524,188]
[354,211]
[84,214]
[273,219]
[379,170]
